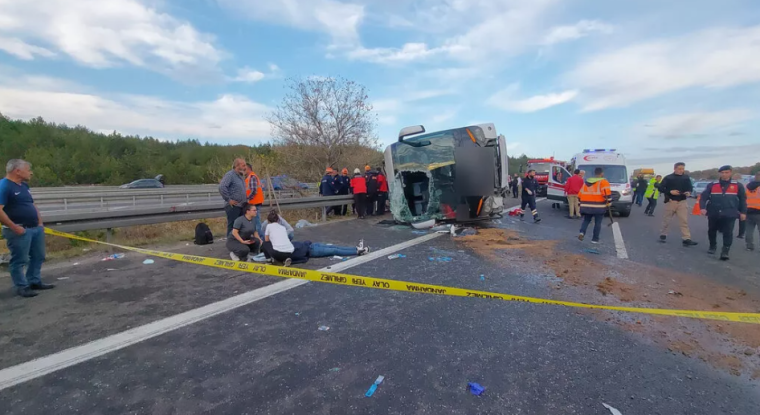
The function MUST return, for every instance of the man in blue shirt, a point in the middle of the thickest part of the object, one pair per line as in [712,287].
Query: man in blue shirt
[22,229]
[232,189]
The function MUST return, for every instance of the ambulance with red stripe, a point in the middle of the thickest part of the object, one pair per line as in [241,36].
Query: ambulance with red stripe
[543,168]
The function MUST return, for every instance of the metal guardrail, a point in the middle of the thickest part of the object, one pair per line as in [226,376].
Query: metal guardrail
[83,221]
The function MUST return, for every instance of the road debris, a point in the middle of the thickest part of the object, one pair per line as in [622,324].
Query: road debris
[114,256]
[335,369]
[424,225]
[338,257]
[323,328]
[298,314]
[482,277]
[373,388]
[76,263]
[613,410]
[111,269]
[63,278]
[148,262]
[475,388]
[419,232]
[440,259]
[591,251]
[676,293]
[394,256]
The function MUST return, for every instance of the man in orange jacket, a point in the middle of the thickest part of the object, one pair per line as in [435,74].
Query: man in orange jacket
[595,197]
[254,192]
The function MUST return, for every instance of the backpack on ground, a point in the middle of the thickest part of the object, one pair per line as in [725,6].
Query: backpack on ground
[203,235]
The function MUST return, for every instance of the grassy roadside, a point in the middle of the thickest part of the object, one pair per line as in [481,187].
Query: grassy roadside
[152,235]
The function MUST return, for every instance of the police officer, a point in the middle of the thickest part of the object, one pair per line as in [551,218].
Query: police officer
[723,202]
[529,190]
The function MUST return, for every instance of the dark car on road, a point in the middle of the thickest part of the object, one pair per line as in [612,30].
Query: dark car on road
[143,184]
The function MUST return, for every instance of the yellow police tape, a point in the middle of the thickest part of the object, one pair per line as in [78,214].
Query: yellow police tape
[395,285]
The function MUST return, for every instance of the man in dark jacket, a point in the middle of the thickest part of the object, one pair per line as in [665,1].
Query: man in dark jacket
[344,183]
[373,186]
[677,188]
[515,185]
[753,211]
[529,190]
[641,188]
[329,186]
[723,202]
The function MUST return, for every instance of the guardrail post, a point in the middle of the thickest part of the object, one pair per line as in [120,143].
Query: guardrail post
[134,201]
[162,199]
[324,214]
[65,204]
[101,202]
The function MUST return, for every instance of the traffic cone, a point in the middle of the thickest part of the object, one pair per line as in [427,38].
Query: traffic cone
[695,210]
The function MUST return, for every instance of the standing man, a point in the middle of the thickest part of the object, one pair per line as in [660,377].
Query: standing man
[373,185]
[382,192]
[345,185]
[753,211]
[529,190]
[737,177]
[515,185]
[652,194]
[723,202]
[641,189]
[22,229]
[359,188]
[595,196]
[327,186]
[232,188]
[677,188]
[572,188]
[253,189]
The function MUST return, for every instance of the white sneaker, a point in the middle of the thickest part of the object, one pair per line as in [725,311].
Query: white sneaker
[361,245]
[362,251]
[287,262]
[234,257]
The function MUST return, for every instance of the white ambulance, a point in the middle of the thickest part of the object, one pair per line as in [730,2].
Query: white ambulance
[615,171]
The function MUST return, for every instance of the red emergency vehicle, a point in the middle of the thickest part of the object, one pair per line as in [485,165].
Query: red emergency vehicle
[543,168]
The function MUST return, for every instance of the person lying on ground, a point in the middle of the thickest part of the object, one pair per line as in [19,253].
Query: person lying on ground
[282,222]
[244,238]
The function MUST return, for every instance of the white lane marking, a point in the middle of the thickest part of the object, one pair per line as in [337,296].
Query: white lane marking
[39,367]
[619,244]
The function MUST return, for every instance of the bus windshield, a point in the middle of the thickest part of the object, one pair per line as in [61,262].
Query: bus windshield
[613,173]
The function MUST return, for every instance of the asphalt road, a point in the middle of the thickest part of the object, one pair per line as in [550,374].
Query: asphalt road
[269,357]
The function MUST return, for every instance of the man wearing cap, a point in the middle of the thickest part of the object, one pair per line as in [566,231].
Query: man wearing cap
[723,202]
[328,185]
[359,189]
[373,186]
[345,185]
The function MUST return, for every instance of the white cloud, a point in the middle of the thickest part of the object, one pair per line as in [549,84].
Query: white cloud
[407,53]
[23,50]
[102,34]
[248,75]
[337,19]
[581,29]
[505,99]
[228,117]
[697,123]
[716,58]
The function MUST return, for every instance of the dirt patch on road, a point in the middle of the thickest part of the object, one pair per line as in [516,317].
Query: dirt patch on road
[733,347]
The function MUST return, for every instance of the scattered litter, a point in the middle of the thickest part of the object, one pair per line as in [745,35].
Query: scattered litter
[111,269]
[465,232]
[337,257]
[424,225]
[114,256]
[63,278]
[497,221]
[475,388]
[148,261]
[259,258]
[441,228]
[676,293]
[335,369]
[303,223]
[482,277]
[613,410]
[298,314]
[187,244]
[394,256]
[440,259]
[222,239]
[76,263]
[591,251]
[323,328]
[85,249]
[419,232]
[373,388]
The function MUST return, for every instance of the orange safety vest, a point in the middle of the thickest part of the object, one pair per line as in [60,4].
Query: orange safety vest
[753,199]
[253,190]
[594,198]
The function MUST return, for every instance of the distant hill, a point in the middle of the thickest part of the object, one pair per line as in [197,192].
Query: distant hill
[712,174]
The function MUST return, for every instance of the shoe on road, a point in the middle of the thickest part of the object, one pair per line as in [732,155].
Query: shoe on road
[689,242]
[26,292]
[739,236]
[663,238]
[594,241]
[712,250]
[234,257]
[750,247]
[41,286]
[581,236]
[287,262]
[724,254]
[362,251]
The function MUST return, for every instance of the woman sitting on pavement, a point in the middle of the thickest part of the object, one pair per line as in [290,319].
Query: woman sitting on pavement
[244,238]
[280,249]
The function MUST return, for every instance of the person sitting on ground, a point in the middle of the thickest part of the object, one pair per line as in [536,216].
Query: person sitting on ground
[277,245]
[244,238]
[282,222]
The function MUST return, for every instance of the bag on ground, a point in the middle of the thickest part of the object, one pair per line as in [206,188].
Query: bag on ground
[203,235]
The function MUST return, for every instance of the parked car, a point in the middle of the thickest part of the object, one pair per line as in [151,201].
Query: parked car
[143,184]
[699,187]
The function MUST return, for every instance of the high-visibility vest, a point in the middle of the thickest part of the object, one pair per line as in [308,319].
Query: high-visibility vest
[652,191]
[253,190]
[753,199]
[594,198]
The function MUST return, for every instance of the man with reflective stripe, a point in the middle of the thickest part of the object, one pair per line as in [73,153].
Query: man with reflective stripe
[753,211]
[529,190]
[723,202]
[253,190]
[652,194]
[595,197]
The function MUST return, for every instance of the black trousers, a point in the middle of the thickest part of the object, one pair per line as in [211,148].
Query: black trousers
[651,205]
[742,228]
[269,252]
[723,225]
[360,200]
[371,199]
[381,198]
[529,200]
[514,192]
[242,250]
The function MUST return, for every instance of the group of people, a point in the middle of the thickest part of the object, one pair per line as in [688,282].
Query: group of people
[370,190]
[247,235]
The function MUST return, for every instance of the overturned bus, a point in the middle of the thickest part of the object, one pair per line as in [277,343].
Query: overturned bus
[453,175]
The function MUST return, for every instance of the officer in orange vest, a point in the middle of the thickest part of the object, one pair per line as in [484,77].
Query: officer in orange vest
[723,202]
[595,197]
[753,211]
[253,188]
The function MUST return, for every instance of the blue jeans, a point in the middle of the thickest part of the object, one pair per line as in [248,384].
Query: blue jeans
[598,219]
[639,198]
[27,251]
[317,250]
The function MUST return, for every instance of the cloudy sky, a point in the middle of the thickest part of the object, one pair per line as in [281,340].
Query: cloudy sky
[661,81]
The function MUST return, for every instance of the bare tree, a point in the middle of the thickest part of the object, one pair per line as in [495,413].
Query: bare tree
[324,117]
